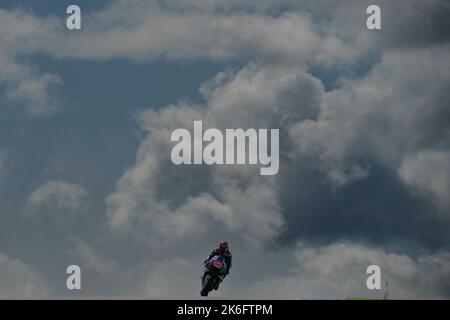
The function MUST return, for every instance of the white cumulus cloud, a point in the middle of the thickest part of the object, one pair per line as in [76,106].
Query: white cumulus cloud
[60,194]
[20,281]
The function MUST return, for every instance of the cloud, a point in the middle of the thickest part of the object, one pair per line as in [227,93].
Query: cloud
[394,112]
[429,173]
[374,122]
[305,271]
[288,32]
[148,198]
[57,194]
[99,272]
[20,281]
[23,85]
[89,259]
[314,34]
[229,197]
[262,95]
[153,31]
[156,32]
[159,282]
[339,270]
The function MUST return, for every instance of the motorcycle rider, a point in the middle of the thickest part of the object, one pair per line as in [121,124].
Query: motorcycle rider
[223,250]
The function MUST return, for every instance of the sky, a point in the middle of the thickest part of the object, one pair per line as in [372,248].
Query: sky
[85,123]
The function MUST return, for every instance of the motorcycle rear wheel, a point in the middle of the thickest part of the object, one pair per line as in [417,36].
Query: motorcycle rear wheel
[207,286]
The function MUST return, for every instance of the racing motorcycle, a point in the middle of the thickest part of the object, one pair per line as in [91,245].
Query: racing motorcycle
[213,274]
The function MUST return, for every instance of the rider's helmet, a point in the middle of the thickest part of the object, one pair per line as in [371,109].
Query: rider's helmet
[223,245]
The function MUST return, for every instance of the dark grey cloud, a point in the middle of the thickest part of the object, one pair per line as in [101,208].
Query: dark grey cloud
[378,209]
